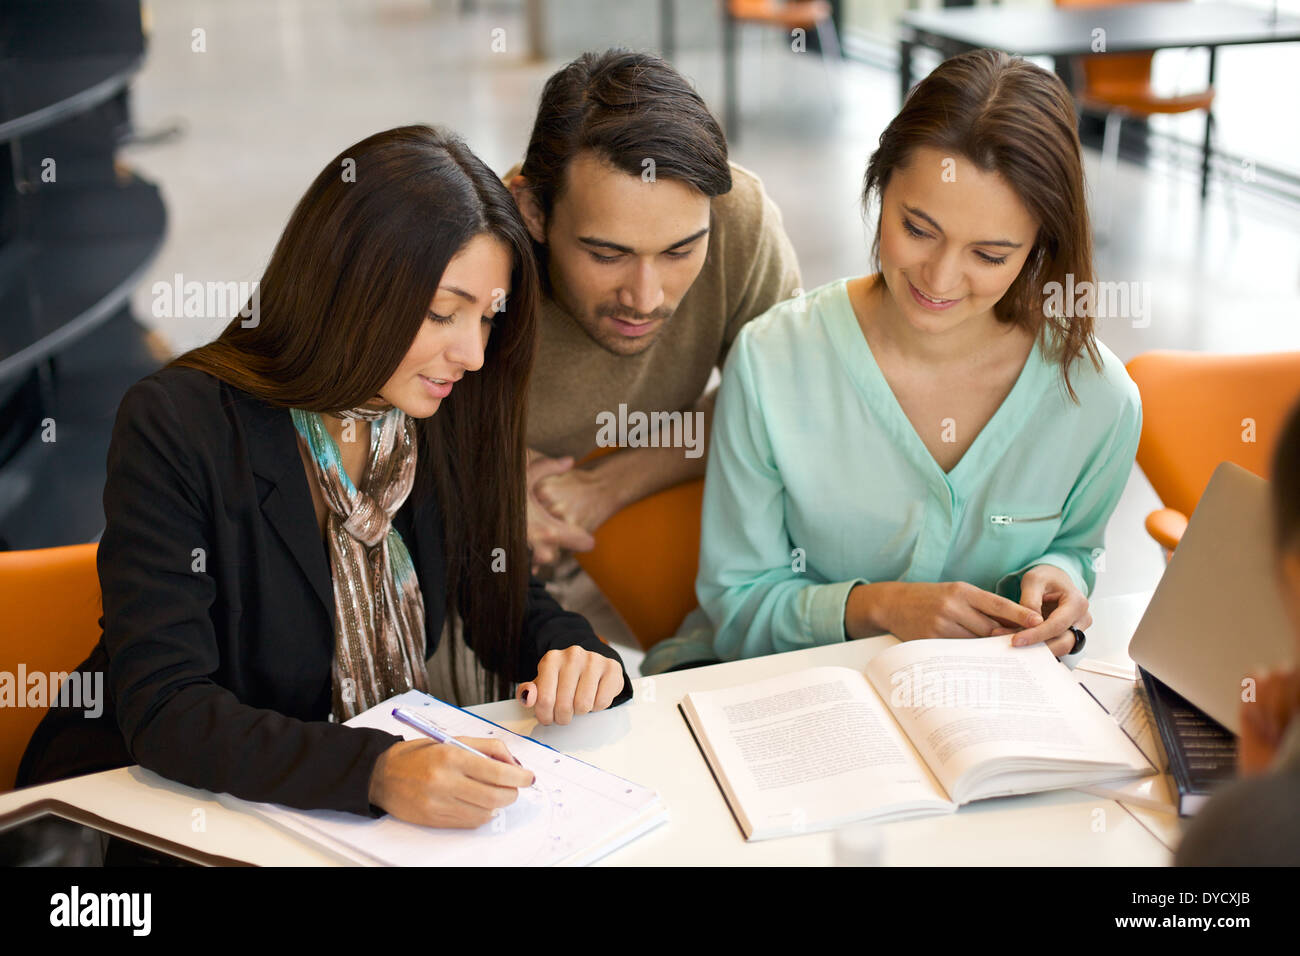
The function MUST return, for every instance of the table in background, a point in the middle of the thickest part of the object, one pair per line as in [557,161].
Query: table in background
[1068,31]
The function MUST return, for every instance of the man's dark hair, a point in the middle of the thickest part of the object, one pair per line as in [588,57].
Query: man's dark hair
[627,108]
[1286,484]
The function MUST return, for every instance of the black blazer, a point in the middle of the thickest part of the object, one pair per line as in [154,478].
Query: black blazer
[218,630]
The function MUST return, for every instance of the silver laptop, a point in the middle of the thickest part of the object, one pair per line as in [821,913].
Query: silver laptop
[1217,613]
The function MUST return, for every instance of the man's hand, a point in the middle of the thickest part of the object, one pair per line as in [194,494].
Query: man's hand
[578,497]
[548,534]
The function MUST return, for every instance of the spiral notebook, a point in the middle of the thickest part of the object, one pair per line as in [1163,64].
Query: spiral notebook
[573,815]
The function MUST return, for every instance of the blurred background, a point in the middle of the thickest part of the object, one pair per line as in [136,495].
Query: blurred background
[166,142]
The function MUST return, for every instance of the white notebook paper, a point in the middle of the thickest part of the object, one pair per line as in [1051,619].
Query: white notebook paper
[574,814]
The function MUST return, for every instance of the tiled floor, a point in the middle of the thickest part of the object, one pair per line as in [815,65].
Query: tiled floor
[283,87]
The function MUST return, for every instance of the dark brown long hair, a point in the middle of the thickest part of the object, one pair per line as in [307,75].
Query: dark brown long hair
[1009,117]
[626,107]
[345,293]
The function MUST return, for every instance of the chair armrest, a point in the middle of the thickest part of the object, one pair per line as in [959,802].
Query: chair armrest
[1167,527]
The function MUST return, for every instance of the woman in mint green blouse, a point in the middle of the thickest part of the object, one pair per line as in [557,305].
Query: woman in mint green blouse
[932,450]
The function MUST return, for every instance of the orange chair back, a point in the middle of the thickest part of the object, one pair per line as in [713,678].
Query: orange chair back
[1112,73]
[782,13]
[646,558]
[49,623]
[1199,410]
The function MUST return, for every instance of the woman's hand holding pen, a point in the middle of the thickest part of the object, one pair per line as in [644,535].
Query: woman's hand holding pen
[569,682]
[438,785]
[1048,591]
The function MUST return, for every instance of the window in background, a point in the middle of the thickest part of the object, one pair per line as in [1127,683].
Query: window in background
[1250,82]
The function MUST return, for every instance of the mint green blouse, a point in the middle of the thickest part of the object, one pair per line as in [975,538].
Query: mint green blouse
[817,481]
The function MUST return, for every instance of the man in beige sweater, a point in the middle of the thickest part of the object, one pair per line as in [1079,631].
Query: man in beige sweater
[654,251]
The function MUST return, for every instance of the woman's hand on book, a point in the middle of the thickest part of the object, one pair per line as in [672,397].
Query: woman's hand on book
[569,682]
[438,785]
[1264,719]
[1050,593]
[912,610]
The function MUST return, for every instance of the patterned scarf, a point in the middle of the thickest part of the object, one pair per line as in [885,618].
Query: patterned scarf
[378,608]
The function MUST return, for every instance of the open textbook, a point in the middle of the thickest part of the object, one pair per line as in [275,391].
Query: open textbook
[930,725]
[573,814]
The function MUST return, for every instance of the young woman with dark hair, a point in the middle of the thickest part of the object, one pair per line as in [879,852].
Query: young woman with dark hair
[294,510]
[932,450]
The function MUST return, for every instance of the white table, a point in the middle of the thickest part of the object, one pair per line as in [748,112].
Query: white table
[647,741]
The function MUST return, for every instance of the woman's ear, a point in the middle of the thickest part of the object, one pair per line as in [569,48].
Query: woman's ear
[529,208]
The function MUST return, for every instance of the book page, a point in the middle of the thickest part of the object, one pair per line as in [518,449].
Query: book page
[808,750]
[966,703]
[1125,699]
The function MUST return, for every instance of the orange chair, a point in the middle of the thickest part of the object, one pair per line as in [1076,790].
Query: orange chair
[1118,85]
[49,624]
[1199,410]
[785,15]
[646,558]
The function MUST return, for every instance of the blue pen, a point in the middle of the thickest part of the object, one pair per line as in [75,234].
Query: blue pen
[427,727]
